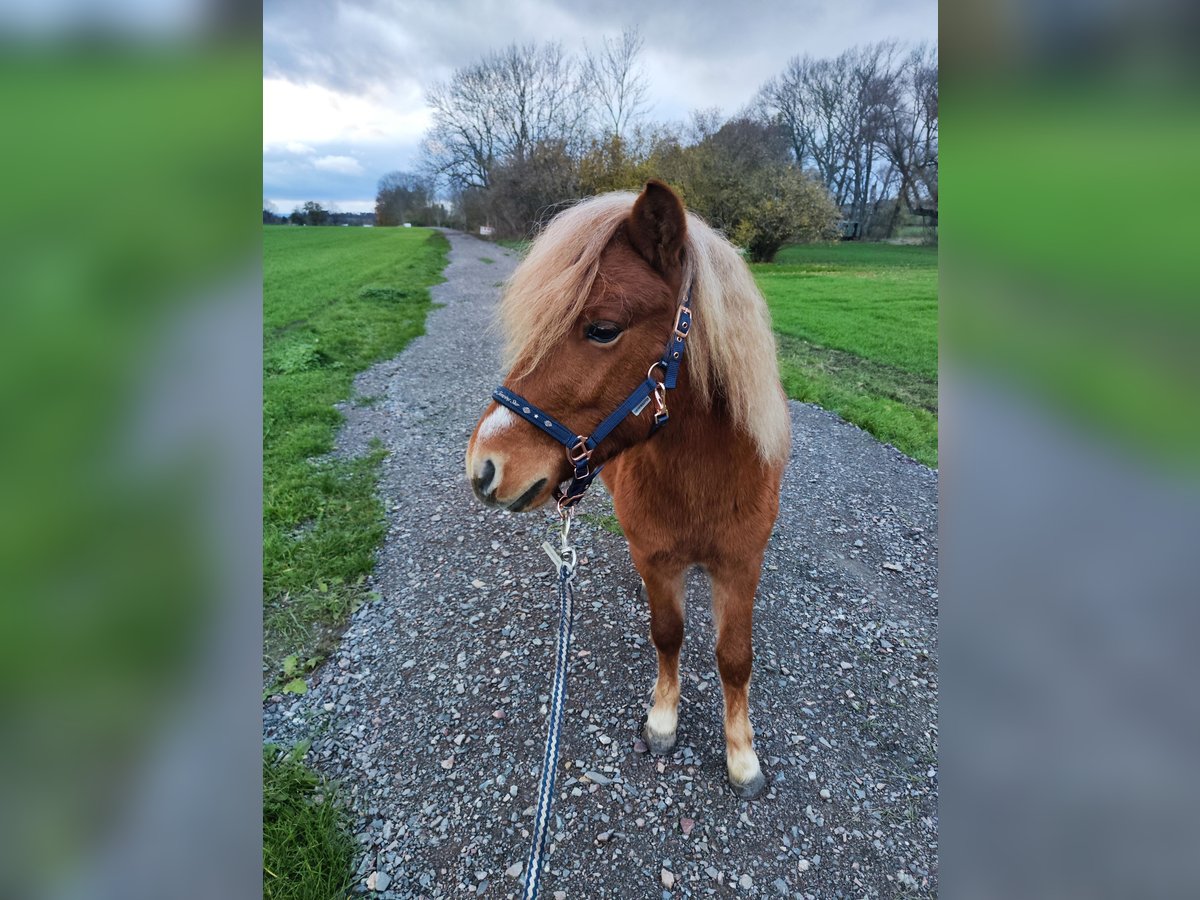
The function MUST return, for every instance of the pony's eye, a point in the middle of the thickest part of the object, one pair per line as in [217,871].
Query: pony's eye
[603,332]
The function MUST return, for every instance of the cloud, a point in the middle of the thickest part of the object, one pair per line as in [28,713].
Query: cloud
[303,115]
[706,47]
[343,165]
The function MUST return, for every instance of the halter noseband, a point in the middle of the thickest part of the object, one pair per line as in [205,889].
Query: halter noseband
[580,448]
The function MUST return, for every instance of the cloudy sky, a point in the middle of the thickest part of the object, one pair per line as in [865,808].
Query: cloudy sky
[344,80]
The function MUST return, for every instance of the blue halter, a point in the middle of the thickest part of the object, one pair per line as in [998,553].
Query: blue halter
[580,448]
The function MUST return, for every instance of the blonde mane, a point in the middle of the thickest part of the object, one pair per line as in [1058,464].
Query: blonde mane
[731,350]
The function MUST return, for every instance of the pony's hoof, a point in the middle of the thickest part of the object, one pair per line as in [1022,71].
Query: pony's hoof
[751,788]
[659,745]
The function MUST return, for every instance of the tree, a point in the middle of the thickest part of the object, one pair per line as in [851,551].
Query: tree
[500,109]
[715,175]
[527,191]
[312,213]
[911,135]
[836,113]
[616,83]
[740,178]
[529,127]
[783,205]
[402,197]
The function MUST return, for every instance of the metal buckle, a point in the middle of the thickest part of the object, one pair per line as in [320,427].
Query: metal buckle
[583,454]
[681,333]
[658,365]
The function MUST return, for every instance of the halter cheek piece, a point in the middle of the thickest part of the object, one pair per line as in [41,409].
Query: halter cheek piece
[580,448]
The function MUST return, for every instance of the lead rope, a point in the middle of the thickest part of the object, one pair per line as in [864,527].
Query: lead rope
[564,561]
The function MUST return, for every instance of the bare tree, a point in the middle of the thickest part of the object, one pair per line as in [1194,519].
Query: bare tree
[911,135]
[853,120]
[500,109]
[868,100]
[617,82]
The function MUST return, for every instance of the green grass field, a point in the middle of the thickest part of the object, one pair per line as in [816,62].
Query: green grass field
[335,300]
[857,331]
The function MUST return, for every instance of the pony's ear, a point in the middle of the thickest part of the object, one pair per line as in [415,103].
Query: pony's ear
[657,227]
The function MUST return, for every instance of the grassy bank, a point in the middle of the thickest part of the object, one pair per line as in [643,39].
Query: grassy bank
[857,330]
[335,300]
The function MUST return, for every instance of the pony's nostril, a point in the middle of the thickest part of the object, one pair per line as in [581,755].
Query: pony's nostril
[483,481]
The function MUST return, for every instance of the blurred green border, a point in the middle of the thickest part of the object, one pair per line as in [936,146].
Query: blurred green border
[1068,265]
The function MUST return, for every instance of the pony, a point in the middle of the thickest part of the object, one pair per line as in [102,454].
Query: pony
[588,308]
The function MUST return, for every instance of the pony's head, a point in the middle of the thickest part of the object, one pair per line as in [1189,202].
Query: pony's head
[588,311]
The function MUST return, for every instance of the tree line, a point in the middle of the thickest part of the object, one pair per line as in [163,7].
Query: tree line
[313,213]
[846,145]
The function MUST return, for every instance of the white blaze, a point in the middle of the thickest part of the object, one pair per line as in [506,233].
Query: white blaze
[497,421]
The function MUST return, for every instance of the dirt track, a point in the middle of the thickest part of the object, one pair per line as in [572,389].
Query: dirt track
[432,711]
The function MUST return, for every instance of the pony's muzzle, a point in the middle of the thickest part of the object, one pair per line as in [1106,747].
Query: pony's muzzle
[511,467]
[487,483]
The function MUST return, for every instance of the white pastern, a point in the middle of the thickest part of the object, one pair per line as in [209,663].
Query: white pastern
[743,766]
[662,721]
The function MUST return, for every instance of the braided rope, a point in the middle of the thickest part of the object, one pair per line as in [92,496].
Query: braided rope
[558,696]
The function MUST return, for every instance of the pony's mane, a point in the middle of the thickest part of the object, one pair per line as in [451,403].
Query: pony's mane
[731,350]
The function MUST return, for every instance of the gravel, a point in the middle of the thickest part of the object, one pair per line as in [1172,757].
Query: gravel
[432,711]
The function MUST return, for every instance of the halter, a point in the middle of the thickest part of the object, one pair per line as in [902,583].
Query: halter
[580,448]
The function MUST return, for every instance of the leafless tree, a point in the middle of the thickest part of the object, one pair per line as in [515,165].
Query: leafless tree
[868,100]
[911,136]
[501,108]
[617,82]
[847,117]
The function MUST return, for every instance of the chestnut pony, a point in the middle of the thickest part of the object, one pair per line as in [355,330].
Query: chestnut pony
[591,306]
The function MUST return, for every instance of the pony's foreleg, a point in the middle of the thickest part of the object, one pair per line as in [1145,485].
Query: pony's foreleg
[664,590]
[733,610]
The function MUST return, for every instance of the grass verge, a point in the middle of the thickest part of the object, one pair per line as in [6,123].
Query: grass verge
[308,850]
[607,522]
[335,300]
[857,332]
[518,244]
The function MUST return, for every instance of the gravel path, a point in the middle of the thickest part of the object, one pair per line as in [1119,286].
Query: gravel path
[432,710]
